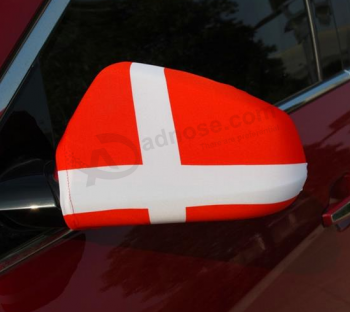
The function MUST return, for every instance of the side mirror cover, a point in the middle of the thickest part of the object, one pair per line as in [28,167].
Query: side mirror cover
[154,145]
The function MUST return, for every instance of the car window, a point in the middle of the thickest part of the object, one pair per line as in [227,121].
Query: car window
[341,10]
[263,47]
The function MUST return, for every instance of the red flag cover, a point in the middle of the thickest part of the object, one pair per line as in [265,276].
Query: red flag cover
[154,145]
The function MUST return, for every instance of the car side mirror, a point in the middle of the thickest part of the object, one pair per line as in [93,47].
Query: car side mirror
[29,196]
[152,145]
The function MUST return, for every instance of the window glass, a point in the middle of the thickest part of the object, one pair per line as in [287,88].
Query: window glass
[327,36]
[263,47]
[341,10]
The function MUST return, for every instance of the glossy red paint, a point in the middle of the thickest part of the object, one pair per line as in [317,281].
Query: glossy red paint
[35,284]
[15,17]
[283,262]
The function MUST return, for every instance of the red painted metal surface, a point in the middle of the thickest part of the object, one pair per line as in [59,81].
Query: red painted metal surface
[15,17]
[283,262]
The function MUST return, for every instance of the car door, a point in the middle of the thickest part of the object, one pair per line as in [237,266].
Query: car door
[290,53]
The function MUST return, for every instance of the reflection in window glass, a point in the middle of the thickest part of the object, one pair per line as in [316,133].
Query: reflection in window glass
[327,36]
[342,18]
[263,47]
[285,28]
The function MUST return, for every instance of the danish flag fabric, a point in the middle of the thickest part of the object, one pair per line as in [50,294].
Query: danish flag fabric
[149,144]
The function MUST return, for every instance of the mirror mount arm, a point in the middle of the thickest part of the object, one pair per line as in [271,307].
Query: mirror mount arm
[30,195]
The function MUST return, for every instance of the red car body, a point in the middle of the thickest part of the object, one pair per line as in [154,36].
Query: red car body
[15,18]
[283,262]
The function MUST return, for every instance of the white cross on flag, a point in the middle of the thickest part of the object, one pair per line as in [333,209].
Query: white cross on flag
[149,144]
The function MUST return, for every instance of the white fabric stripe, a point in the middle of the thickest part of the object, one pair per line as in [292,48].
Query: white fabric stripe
[176,187]
[153,115]
[65,195]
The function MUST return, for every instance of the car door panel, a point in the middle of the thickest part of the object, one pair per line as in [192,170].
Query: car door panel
[281,262]
[223,266]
